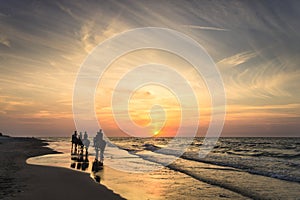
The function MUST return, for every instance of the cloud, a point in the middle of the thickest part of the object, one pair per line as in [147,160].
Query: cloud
[67,10]
[93,31]
[274,107]
[260,83]
[13,103]
[86,36]
[209,28]
[236,59]
[2,15]
[271,116]
[4,41]
[260,74]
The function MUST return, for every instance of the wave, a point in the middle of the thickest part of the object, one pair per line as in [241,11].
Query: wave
[238,164]
[235,180]
[271,157]
[266,154]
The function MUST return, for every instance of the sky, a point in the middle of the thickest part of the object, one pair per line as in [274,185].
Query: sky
[255,46]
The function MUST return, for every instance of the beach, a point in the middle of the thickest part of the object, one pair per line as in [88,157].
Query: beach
[22,181]
[237,168]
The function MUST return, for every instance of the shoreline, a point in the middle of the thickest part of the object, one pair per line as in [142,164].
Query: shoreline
[26,181]
[59,177]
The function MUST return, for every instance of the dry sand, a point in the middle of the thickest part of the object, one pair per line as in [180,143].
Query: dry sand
[19,180]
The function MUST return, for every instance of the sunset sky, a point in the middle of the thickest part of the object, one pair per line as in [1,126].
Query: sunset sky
[255,45]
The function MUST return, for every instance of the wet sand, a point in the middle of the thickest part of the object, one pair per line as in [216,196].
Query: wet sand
[19,180]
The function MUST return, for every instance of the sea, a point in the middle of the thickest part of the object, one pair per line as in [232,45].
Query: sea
[149,168]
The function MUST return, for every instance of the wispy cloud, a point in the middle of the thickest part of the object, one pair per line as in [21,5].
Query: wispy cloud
[67,10]
[270,107]
[252,75]
[4,41]
[209,28]
[261,83]
[236,59]
[92,32]
[2,15]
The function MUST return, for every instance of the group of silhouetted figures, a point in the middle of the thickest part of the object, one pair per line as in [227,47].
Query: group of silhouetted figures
[79,150]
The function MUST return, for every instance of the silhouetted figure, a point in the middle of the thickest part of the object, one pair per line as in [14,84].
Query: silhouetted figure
[74,142]
[86,143]
[99,144]
[80,135]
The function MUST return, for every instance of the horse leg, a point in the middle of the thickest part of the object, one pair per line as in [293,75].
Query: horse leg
[72,147]
[75,148]
[97,153]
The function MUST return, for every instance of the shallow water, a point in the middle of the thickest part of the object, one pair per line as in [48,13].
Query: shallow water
[237,168]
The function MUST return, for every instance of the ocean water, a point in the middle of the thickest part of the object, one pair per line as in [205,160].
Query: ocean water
[236,168]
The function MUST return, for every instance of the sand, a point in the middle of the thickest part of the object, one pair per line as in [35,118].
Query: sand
[19,180]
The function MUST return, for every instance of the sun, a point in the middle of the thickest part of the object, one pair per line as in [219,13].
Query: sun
[156,133]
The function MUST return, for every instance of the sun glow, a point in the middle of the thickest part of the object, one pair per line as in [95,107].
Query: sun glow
[156,133]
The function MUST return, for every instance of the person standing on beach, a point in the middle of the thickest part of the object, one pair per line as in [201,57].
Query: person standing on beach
[80,136]
[86,143]
[99,144]
[74,142]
